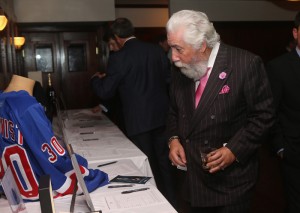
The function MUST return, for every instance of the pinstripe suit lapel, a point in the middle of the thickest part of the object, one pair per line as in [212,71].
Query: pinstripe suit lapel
[187,92]
[190,94]
[213,86]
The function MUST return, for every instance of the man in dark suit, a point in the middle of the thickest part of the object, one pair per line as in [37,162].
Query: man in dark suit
[112,107]
[234,113]
[284,75]
[139,71]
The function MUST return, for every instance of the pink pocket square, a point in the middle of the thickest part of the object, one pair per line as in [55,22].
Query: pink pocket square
[225,89]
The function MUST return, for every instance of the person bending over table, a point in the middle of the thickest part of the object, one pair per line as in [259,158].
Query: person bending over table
[229,112]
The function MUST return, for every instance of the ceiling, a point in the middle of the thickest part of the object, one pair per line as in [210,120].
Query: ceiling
[165,2]
[288,4]
[142,3]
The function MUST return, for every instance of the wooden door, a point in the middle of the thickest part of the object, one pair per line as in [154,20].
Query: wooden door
[78,65]
[42,53]
[71,59]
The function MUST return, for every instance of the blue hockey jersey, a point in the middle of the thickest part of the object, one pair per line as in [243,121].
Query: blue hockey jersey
[29,146]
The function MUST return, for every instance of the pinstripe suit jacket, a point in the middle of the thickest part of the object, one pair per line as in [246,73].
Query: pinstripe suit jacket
[239,118]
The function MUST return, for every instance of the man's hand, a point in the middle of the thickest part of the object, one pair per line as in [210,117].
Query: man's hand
[96,109]
[177,154]
[220,159]
[99,75]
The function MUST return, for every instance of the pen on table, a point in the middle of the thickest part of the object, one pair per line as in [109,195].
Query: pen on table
[120,186]
[105,164]
[134,190]
[90,139]
[86,126]
[86,133]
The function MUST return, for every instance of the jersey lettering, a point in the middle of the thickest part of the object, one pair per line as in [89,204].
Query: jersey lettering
[57,147]
[16,157]
[8,131]
[53,157]
[20,136]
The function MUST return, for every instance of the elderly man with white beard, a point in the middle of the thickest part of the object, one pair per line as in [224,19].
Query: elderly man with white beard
[220,101]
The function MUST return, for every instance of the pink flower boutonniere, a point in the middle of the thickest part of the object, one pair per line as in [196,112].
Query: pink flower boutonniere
[222,75]
[225,89]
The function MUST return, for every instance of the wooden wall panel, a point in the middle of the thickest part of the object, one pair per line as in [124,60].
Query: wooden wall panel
[267,39]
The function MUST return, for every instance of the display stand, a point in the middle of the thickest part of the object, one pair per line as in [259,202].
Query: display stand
[45,195]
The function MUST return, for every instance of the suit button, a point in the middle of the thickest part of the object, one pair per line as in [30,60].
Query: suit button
[206,142]
[187,140]
[183,116]
[212,117]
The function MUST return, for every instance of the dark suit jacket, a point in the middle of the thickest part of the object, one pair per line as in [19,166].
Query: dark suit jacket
[139,72]
[284,75]
[239,118]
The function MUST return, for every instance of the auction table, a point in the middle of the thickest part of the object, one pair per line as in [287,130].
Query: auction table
[110,200]
[99,140]
[95,137]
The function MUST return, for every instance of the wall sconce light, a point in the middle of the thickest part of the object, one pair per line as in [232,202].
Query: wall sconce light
[3,22]
[19,42]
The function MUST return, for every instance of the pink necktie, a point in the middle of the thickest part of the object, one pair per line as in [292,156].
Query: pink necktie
[201,87]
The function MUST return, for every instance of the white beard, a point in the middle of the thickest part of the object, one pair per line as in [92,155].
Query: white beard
[193,71]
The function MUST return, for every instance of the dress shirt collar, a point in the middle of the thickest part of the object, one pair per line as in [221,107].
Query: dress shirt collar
[212,57]
[211,60]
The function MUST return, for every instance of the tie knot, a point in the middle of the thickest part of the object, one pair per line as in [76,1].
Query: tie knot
[200,89]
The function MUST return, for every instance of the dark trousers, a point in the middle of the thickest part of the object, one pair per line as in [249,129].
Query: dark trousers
[154,145]
[242,207]
[291,175]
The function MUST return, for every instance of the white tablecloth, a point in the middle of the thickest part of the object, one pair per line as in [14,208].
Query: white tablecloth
[97,139]
[110,200]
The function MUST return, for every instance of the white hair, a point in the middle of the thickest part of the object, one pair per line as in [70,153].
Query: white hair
[197,28]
